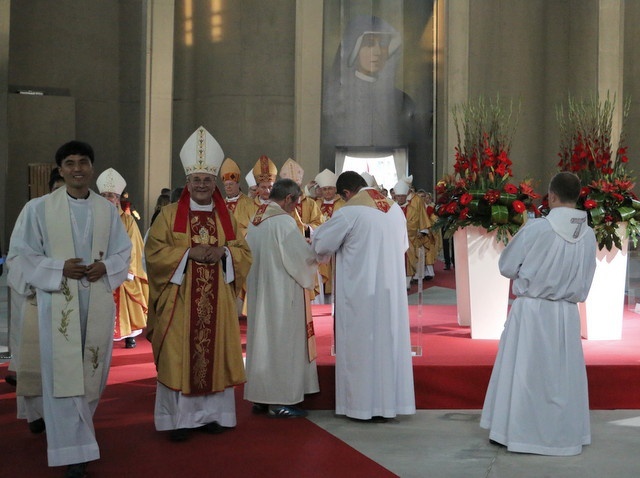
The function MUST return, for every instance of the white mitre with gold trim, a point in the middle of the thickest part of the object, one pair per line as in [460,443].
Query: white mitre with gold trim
[201,153]
[292,170]
[110,181]
[326,179]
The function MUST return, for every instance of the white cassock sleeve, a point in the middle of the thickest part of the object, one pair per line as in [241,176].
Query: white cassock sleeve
[28,242]
[329,237]
[118,252]
[512,257]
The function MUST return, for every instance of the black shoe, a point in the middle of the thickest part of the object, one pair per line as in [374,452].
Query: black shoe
[129,343]
[11,380]
[447,268]
[77,470]
[213,428]
[179,434]
[426,278]
[260,408]
[37,426]
[375,419]
[286,411]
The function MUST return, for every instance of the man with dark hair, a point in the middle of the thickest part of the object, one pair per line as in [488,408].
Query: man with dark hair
[281,365]
[71,247]
[55,180]
[374,375]
[537,400]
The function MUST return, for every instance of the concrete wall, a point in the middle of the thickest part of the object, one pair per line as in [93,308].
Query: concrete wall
[240,85]
[86,58]
[234,72]
[535,53]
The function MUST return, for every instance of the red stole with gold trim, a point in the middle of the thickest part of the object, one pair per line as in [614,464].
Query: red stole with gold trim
[379,199]
[204,304]
[231,205]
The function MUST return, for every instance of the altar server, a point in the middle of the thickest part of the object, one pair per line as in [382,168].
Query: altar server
[537,400]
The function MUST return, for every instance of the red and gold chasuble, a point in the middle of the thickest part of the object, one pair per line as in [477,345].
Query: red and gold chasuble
[204,303]
[231,205]
[327,210]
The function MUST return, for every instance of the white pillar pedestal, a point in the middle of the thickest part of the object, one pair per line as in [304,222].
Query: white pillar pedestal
[601,314]
[482,292]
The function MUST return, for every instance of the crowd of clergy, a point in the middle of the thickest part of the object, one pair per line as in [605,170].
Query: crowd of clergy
[83,278]
[207,262]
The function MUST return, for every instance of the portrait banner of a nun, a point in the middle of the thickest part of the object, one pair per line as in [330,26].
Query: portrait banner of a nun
[368,102]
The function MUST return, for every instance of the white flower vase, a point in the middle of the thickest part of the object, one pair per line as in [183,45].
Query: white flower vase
[601,314]
[482,293]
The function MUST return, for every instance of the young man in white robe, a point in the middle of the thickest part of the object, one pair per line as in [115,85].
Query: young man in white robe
[537,400]
[74,252]
[374,374]
[281,365]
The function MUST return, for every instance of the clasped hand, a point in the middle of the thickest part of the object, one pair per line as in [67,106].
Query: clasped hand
[206,254]
[74,269]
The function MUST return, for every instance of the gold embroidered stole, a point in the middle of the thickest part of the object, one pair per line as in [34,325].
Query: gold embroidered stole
[370,198]
[77,371]
[204,305]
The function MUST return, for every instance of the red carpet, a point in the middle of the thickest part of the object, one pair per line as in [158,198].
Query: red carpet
[454,370]
[452,373]
[130,446]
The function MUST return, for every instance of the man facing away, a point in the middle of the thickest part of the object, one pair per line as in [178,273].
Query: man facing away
[195,260]
[132,296]
[74,252]
[281,365]
[537,400]
[374,375]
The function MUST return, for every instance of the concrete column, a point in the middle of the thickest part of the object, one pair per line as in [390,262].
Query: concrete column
[452,77]
[158,101]
[611,58]
[308,86]
[5,11]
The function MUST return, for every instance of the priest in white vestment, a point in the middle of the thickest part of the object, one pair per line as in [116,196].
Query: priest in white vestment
[537,400]
[74,252]
[374,374]
[281,365]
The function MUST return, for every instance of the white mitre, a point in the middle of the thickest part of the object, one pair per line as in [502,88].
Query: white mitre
[292,170]
[371,181]
[326,179]
[250,179]
[402,186]
[201,153]
[110,181]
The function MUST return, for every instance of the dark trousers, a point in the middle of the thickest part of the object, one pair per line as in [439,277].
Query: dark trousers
[447,249]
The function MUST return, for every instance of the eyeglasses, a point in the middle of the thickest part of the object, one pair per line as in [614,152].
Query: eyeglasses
[199,181]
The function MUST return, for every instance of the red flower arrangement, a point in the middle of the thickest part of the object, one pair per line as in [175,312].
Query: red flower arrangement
[480,192]
[586,149]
